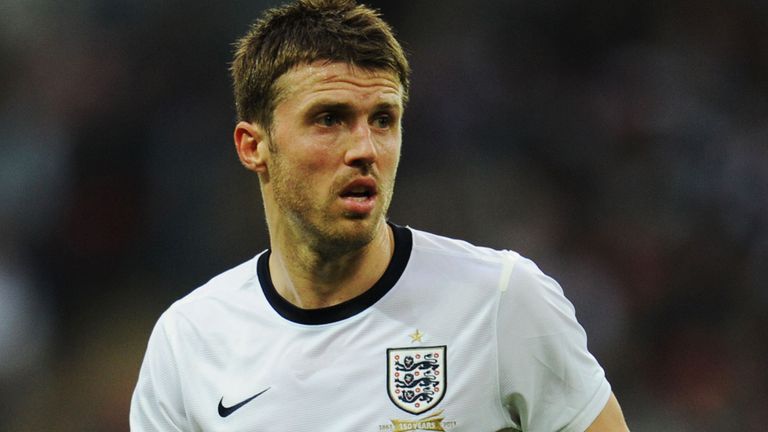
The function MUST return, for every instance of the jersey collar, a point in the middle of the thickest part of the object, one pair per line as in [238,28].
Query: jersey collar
[403,245]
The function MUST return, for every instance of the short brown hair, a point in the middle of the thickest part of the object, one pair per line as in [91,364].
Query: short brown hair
[304,32]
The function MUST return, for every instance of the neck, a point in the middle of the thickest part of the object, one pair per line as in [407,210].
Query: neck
[312,278]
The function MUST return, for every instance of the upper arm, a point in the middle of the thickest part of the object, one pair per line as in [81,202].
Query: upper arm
[548,379]
[610,418]
[157,402]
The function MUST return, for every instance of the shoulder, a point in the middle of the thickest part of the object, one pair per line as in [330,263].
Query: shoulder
[215,296]
[520,284]
[517,274]
[464,259]
[442,247]
[230,280]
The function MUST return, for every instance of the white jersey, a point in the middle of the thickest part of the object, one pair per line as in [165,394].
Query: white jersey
[453,337]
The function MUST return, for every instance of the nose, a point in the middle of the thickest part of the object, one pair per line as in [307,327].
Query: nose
[362,147]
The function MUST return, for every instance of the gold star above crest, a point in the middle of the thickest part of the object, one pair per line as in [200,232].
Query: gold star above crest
[416,337]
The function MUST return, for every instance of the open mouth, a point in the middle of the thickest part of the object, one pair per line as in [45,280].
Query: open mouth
[360,190]
[359,196]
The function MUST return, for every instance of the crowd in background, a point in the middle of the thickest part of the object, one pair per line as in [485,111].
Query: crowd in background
[622,145]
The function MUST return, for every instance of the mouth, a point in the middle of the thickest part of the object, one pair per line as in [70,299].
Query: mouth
[359,196]
[360,189]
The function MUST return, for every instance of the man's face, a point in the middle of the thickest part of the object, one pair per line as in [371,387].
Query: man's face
[334,147]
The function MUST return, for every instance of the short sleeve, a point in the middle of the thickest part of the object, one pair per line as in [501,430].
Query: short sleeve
[157,403]
[548,379]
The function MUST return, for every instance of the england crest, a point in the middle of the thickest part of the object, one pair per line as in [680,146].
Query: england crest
[416,377]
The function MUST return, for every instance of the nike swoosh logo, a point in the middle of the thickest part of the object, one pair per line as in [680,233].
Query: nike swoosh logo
[226,411]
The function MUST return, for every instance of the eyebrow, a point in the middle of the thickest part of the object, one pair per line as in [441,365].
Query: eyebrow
[388,106]
[320,106]
[344,107]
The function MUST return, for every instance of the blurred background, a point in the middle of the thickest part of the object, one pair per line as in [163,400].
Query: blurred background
[622,145]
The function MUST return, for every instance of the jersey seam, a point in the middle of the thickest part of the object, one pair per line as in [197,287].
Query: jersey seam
[504,274]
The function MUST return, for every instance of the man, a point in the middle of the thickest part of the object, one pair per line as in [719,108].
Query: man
[348,322]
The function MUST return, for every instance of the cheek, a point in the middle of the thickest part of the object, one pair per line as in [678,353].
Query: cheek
[304,158]
[313,171]
[316,154]
[390,155]
[316,170]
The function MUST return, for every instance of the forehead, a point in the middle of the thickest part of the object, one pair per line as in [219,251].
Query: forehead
[308,82]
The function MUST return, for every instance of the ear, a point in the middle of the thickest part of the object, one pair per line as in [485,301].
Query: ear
[251,145]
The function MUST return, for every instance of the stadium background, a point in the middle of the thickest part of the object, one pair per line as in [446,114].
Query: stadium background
[623,145]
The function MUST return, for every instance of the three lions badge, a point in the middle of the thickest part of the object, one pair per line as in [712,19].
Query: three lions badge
[416,377]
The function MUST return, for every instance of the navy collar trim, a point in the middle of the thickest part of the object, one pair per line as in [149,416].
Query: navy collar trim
[403,245]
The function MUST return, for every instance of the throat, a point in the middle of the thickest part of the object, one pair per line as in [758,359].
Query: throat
[310,279]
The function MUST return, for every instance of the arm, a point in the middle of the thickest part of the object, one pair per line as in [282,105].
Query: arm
[610,418]
[548,378]
[157,403]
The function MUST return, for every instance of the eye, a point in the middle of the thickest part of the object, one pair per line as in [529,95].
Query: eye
[382,121]
[328,119]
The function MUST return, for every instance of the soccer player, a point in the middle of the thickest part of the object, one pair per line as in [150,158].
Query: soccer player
[349,322]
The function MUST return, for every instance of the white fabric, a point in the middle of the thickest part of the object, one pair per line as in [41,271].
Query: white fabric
[515,355]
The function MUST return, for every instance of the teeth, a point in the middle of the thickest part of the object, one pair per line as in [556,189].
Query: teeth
[358,192]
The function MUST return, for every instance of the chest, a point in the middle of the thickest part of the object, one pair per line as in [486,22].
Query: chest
[369,374]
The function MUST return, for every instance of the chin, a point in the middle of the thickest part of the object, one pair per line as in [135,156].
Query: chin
[346,236]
